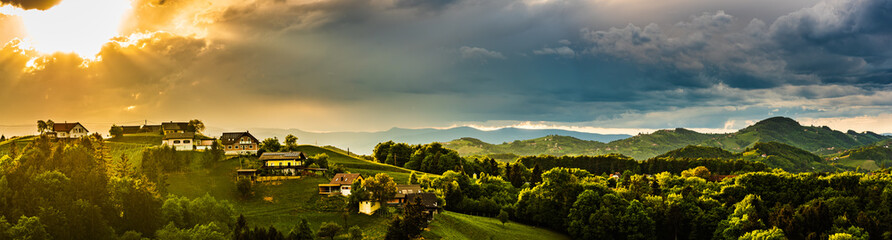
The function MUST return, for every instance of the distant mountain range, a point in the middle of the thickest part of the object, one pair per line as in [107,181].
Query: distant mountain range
[818,140]
[364,142]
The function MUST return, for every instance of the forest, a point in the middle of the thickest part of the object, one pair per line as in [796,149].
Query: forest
[659,198]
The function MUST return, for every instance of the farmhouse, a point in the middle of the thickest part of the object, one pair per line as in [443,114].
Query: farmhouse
[68,130]
[340,184]
[187,141]
[288,162]
[130,129]
[369,207]
[176,127]
[404,194]
[239,143]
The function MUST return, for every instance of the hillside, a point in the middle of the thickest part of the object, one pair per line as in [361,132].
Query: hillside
[867,157]
[550,145]
[283,204]
[451,225]
[364,142]
[788,131]
[692,151]
[819,140]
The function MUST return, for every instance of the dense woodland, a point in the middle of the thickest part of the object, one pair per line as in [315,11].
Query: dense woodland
[660,198]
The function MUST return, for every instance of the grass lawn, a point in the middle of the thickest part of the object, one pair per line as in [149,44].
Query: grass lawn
[869,165]
[131,146]
[356,165]
[451,225]
[283,204]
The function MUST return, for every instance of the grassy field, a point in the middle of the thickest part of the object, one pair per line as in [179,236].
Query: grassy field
[356,165]
[131,146]
[869,165]
[450,225]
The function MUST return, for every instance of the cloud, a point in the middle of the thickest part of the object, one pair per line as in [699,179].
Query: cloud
[560,51]
[479,53]
[31,4]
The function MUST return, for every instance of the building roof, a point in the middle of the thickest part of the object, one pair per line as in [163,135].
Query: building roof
[66,127]
[179,136]
[345,178]
[233,137]
[402,190]
[151,128]
[130,129]
[267,156]
[429,200]
[176,126]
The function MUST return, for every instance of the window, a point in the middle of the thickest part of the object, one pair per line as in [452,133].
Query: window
[289,164]
[176,141]
[186,141]
[228,147]
[251,147]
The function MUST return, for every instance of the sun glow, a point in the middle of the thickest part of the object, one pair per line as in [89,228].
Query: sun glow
[78,26]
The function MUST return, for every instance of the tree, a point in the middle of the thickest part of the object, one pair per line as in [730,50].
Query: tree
[29,228]
[395,230]
[50,125]
[503,216]
[414,218]
[244,187]
[2,138]
[41,126]
[196,125]
[413,178]
[321,160]
[290,140]
[329,230]
[355,233]
[357,195]
[302,231]
[771,234]
[381,188]
[270,145]
[116,131]
[700,172]
[382,150]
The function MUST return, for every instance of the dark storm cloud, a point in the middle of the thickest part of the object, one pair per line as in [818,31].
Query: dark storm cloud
[31,4]
[430,63]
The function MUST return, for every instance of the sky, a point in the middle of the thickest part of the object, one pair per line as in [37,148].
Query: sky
[606,66]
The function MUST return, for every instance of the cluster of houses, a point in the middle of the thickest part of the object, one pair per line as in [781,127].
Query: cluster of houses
[342,184]
[183,137]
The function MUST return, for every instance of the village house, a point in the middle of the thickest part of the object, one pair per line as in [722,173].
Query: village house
[151,129]
[288,162]
[187,141]
[369,207]
[130,129]
[68,130]
[176,127]
[141,129]
[341,183]
[405,194]
[239,143]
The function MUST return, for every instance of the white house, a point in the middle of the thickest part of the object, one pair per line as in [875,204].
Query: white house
[187,141]
[69,130]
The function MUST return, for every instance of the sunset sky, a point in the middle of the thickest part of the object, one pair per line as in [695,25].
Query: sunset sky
[369,65]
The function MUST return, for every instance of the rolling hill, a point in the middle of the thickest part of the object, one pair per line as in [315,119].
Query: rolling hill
[818,140]
[364,142]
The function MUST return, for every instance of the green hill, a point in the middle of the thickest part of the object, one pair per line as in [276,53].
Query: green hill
[784,156]
[551,145]
[819,140]
[788,131]
[451,225]
[692,151]
[867,157]
[283,204]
